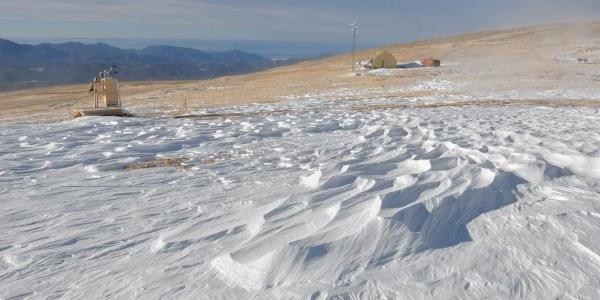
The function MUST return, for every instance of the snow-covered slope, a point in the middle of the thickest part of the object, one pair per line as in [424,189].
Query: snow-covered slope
[305,199]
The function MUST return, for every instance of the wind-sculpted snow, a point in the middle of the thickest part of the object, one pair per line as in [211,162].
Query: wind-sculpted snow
[305,199]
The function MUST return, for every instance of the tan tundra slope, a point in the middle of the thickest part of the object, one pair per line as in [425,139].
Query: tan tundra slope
[525,59]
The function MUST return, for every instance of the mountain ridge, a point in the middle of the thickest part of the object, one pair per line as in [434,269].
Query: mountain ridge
[26,66]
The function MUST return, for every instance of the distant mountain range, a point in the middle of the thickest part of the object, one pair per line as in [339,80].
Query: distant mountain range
[25,66]
[268,49]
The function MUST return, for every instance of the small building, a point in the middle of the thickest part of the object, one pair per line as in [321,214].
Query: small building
[384,60]
[106,90]
[431,63]
[107,100]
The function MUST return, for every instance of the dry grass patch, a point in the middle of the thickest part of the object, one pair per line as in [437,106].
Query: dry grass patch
[178,163]
[181,163]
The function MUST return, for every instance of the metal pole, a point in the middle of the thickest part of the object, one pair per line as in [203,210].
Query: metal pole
[95,96]
[118,93]
[354,27]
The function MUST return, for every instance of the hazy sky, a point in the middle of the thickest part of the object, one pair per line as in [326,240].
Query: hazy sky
[383,21]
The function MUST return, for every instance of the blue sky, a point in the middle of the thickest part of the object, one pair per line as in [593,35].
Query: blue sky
[383,21]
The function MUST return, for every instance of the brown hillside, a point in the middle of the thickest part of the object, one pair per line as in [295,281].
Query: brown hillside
[537,58]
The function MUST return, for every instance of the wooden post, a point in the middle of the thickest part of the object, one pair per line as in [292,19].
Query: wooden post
[95,96]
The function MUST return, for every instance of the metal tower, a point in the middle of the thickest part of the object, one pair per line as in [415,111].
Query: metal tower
[354,28]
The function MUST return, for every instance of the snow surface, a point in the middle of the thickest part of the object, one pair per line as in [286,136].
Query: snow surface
[306,199]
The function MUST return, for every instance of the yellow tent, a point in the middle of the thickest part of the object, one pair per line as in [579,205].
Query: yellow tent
[385,60]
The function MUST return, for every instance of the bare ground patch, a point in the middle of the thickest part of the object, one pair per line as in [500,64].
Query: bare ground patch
[181,163]
[177,162]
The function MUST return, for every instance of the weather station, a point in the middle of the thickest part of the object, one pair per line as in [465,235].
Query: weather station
[107,99]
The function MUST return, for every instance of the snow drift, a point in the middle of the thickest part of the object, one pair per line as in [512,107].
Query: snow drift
[312,200]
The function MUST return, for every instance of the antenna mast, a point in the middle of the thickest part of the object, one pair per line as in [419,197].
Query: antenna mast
[354,28]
